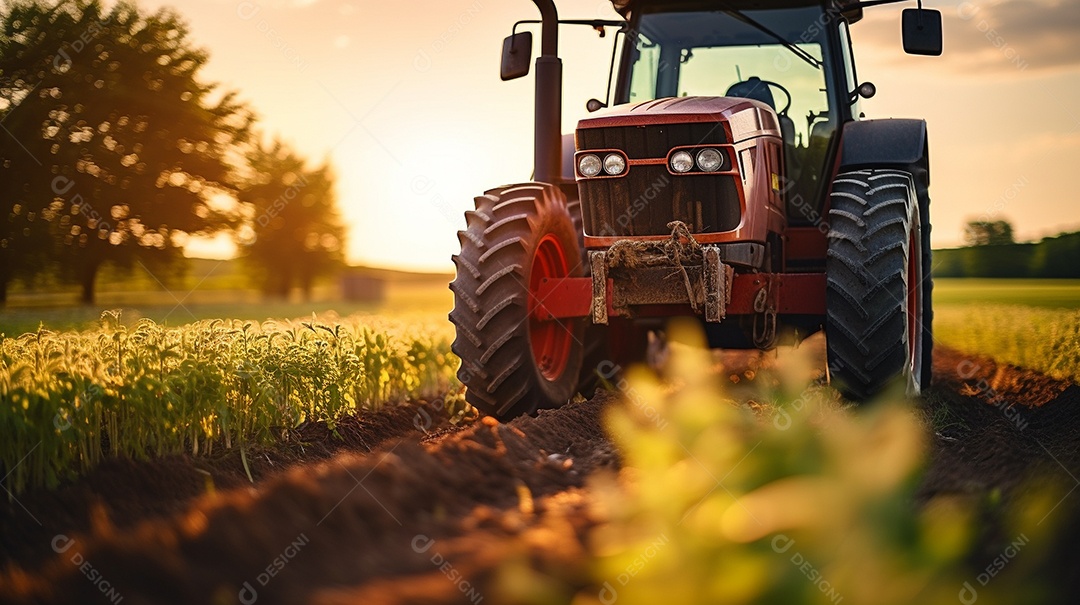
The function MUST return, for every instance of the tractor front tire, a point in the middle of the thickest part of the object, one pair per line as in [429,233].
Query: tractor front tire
[877,296]
[512,362]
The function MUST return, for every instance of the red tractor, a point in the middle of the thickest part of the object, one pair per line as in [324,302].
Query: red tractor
[731,180]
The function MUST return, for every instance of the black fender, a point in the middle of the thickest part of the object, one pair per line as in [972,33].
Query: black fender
[890,143]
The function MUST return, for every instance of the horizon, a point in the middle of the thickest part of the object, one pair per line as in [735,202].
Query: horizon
[450,272]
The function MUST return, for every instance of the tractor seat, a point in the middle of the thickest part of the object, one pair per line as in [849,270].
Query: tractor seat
[754,89]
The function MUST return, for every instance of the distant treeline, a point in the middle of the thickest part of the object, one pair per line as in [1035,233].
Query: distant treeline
[1053,257]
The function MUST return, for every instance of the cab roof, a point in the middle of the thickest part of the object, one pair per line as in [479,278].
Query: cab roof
[625,7]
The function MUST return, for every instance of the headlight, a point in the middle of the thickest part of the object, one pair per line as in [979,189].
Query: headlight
[682,161]
[710,160]
[614,164]
[589,165]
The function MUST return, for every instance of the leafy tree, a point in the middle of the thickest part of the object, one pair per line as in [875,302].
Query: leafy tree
[988,233]
[120,145]
[295,234]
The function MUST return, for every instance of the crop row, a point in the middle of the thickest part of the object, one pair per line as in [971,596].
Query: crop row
[67,399]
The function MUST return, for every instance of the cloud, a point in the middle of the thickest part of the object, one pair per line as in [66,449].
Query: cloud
[1032,36]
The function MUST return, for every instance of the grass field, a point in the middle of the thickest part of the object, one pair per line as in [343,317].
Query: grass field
[429,299]
[1034,324]
[214,289]
[1047,340]
[1045,293]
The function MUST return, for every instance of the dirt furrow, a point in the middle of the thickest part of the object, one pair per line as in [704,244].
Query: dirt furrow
[340,522]
[129,491]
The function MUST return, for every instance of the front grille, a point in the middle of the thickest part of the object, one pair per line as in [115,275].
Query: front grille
[649,197]
[644,142]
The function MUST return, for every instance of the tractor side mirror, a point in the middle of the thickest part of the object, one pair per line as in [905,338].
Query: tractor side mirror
[922,31]
[516,56]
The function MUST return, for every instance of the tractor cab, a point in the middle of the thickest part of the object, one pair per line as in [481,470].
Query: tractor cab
[796,59]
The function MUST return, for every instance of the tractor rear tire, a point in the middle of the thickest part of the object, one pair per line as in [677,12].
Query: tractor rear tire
[876,298]
[513,363]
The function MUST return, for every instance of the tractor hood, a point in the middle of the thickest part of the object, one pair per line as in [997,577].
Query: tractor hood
[746,118]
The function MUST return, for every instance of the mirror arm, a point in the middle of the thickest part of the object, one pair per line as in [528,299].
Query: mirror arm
[593,23]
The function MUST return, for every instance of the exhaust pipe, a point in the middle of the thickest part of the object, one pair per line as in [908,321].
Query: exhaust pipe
[547,144]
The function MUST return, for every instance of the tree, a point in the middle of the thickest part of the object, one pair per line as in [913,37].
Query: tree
[988,233]
[120,145]
[295,234]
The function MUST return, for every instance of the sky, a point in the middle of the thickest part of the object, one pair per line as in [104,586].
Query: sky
[405,101]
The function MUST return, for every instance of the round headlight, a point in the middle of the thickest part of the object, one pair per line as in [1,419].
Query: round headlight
[589,165]
[682,161]
[614,164]
[710,160]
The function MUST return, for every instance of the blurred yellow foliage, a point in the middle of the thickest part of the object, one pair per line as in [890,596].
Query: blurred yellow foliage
[782,503]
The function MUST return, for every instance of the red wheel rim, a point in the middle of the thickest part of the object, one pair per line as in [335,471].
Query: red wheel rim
[914,311]
[551,341]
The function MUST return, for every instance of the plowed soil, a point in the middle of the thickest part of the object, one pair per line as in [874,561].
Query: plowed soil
[383,512]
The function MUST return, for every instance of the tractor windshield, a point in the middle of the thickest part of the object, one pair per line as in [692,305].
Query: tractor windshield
[777,56]
[716,53]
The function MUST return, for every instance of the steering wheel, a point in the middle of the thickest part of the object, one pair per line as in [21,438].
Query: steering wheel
[787,94]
